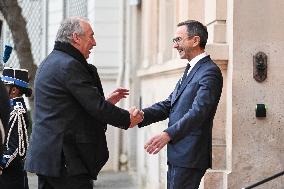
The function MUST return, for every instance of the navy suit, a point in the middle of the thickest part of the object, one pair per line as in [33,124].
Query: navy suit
[190,110]
[70,117]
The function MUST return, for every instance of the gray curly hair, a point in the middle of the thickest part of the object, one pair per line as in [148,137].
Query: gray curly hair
[68,27]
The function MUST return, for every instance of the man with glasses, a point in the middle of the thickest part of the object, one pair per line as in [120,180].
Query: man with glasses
[190,108]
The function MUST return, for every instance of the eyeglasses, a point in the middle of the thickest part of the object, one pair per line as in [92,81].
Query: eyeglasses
[177,40]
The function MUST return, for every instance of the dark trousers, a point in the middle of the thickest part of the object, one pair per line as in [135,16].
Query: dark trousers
[65,182]
[14,176]
[184,178]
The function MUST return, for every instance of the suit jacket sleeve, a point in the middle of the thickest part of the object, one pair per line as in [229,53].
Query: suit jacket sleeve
[80,84]
[203,106]
[157,112]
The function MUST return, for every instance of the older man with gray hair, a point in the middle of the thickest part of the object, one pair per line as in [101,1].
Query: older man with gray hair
[68,144]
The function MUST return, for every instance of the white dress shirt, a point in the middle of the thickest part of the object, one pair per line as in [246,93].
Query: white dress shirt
[195,60]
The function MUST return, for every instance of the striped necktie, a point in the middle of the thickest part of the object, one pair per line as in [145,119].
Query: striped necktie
[184,76]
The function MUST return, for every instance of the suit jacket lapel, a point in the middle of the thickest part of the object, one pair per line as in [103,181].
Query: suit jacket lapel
[94,74]
[177,93]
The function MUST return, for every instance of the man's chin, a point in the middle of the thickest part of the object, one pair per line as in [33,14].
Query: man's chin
[87,56]
[183,56]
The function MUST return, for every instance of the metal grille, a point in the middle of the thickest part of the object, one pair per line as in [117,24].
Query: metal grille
[32,12]
[76,8]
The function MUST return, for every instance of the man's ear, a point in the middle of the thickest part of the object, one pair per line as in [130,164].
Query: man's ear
[75,37]
[196,41]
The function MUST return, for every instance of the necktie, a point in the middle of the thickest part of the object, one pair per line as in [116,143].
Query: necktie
[184,76]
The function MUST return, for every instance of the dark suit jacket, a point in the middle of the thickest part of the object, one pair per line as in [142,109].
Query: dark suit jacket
[190,112]
[70,116]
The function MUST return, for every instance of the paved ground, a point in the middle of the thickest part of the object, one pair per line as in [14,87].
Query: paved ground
[32,181]
[106,180]
[110,180]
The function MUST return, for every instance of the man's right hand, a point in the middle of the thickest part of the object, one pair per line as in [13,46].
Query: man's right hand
[136,116]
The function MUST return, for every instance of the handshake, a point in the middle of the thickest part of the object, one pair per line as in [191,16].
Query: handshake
[136,116]
[156,143]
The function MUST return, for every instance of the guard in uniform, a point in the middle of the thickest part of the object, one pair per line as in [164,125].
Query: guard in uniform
[16,141]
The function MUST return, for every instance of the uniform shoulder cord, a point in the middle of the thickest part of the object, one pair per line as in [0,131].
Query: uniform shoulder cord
[18,115]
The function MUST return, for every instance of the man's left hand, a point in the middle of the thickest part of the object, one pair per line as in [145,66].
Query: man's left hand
[117,95]
[156,143]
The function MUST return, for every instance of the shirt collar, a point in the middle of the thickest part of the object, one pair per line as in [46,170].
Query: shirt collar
[16,100]
[195,60]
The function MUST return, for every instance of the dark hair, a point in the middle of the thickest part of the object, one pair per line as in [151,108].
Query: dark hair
[195,28]
[23,91]
[28,92]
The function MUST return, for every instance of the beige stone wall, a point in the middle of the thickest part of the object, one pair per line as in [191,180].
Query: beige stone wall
[257,144]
